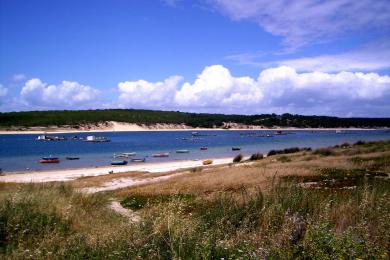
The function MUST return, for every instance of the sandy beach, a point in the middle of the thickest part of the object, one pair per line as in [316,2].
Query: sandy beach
[72,174]
[113,126]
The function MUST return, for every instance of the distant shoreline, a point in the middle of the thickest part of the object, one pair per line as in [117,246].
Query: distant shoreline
[113,126]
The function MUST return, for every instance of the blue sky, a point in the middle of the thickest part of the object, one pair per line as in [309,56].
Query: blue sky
[244,56]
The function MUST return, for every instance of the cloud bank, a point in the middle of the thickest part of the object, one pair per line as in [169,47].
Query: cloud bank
[68,94]
[307,21]
[281,89]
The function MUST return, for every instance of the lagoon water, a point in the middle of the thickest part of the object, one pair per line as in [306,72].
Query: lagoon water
[22,152]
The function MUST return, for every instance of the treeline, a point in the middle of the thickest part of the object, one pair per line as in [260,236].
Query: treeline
[148,117]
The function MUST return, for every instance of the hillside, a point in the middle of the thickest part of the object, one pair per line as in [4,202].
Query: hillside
[150,117]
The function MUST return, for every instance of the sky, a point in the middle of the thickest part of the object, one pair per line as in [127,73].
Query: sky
[310,57]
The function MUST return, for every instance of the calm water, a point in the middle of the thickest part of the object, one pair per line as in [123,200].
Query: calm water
[21,152]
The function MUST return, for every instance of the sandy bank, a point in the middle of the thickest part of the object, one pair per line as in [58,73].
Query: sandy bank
[112,126]
[72,174]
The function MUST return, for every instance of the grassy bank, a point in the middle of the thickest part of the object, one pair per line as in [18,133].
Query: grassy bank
[322,204]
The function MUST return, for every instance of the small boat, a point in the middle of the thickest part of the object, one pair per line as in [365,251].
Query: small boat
[207,162]
[236,148]
[72,158]
[203,148]
[123,155]
[182,151]
[96,139]
[161,155]
[119,162]
[130,154]
[49,160]
[119,155]
[138,160]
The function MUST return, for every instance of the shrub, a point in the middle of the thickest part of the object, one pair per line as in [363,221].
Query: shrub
[238,158]
[291,150]
[360,142]
[284,159]
[324,151]
[256,156]
[273,152]
[288,150]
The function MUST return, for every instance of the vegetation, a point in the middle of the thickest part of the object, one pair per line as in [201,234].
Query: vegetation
[328,207]
[148,117]
[256,156]
[238,158]
[288,150]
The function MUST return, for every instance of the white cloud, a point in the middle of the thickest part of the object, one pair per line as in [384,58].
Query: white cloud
[18,77]
[144,94]
[216,87]
[73,95]
[307,21]
[281,89]
[3,91]
[370,58]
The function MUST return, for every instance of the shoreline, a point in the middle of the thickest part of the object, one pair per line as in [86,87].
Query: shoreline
[70,131]
[76,173]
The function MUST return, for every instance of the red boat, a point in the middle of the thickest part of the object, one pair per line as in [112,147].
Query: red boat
[161,155]
[49,160]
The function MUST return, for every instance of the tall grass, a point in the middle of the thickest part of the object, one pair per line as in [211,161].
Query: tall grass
[286,220]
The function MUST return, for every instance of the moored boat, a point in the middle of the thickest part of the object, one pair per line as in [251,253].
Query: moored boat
[96,139]
[130,154]
[161,155]
[203,148]
[119,155]
[119,162]
[207,162]
[49,160]
[71,158]
[138,160]
[182,151]
[236,148]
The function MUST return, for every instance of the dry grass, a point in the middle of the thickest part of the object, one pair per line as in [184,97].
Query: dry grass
[241,210]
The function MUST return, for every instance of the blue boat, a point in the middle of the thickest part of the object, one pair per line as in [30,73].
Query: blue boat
[119,162]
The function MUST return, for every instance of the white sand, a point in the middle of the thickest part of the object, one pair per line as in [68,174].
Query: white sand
[112,126]
[127,213]
[72,174]
[125,182]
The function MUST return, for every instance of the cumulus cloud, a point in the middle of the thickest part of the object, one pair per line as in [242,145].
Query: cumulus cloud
[343,93]
[144,94]
[68,94]
[307,21]
[280,90]
[216,87]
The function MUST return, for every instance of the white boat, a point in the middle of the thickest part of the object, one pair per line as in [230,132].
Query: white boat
[161,155]
[130,154]
[123,155]
[96,139]
[182,151]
